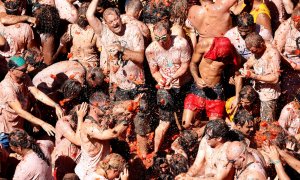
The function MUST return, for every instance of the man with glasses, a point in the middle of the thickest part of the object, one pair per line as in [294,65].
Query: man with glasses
[245,164]
[15,98]
[211,159]
[168,59]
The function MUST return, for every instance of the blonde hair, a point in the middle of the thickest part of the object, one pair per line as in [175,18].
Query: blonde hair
[113,161]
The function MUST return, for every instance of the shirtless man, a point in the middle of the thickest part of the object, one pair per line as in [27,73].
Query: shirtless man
[211,159]
[287,42]
[122,59]
[51,78]
[83,39]
[266,70]
[244,162]
[168,59]
[245,26]
[67,10]
[95,136]
[206,18]
[212,55]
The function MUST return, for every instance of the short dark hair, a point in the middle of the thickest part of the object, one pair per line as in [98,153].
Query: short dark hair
[11,7]
[247,92]
[245,20]
[241,117]
[98,96]
[188,139]
[71,88]
[178,164]
[218,128]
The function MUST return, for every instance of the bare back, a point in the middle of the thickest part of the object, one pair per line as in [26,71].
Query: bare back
[211,20]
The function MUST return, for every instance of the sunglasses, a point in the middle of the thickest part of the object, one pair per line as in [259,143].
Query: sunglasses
[24,70]
[163,37]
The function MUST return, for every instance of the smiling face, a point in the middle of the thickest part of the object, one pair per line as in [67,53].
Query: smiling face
[114,22]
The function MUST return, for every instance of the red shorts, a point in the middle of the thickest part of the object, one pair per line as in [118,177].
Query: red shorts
[214,108]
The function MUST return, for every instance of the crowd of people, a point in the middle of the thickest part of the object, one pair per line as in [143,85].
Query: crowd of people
[149,89]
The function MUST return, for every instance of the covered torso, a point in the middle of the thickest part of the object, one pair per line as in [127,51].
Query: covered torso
[10,92]
[125,74]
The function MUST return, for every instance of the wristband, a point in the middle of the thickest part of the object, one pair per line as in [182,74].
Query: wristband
[276,162]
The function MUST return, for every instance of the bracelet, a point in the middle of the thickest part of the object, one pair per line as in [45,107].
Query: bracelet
[61,44]
[276,162]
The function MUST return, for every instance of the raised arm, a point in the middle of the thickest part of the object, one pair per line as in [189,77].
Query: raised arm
[7,19]
[94,22]
[153,66]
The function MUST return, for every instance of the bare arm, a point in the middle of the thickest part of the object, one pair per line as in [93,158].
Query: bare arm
[226,4]
[136,57]
[6,19]
[48,50]
[16,106]
[92,19]
[96,132]
[264,19]
[199,161]
[284,117]
[280,36]
[288,6]
[39,95]
[291,160]
[196,58]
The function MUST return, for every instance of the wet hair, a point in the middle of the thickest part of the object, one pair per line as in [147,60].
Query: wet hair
[245,20]
[48,20]
[241,117]
[20,138]
[235,135]
[247,92]
[188,139]
[163,24]
[71,88]
[96,74]
[254,40]
[82,20]
[218,128]
[178,11]
[12,7]
[133,5]
[98,97]
[157,167]
[178,164]
[111,11]
[113,161]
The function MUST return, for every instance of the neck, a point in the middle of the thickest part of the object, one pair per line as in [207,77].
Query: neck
[132,14]
[248,159]
[25,151]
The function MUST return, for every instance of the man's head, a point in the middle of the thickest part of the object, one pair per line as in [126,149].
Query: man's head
[99,103]
[162,33]
[94,77]
[245,24]
[216,132]
[244,122]
[71,89]
[13,7]
[34,57]
[255,43]
[82,20]
[134,8]
[236,153]
[113,20]
[296,18]
[17,67]
[48,20]
[247,96]
[113,164]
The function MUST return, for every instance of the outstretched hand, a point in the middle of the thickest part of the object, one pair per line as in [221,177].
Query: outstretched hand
[81,110]
[50,130]
[125,174]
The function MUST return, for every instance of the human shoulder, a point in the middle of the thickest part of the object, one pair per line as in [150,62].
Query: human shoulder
[180,41]
[204,45]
